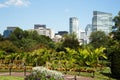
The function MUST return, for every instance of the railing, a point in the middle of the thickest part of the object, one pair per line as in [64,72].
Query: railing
[13,66]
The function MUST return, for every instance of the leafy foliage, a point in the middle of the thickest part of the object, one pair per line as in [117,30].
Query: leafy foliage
[8,46]
[71,41]
[115,60]
[114,49]
[98,39]
[29,40]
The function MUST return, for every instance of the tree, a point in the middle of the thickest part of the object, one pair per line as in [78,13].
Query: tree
[1,37]
[28,41]
[70,41]
[8,47]
[116,27]
[98,39]
[114,49]
[115,60]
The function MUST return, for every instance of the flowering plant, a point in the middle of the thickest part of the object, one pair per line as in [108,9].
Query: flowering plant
[42,73]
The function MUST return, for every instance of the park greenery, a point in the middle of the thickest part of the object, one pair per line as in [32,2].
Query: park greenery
[38,50]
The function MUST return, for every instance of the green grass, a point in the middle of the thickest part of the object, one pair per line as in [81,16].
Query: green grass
[11,78]
[100,74]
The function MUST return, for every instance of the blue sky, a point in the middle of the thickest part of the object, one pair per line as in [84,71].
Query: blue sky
[54,13]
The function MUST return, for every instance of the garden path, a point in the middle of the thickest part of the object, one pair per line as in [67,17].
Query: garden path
[66,77]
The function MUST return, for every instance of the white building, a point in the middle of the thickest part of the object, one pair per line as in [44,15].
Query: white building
[42,30]
[82,37]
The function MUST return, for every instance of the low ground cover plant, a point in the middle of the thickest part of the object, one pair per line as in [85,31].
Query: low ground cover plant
[42,73]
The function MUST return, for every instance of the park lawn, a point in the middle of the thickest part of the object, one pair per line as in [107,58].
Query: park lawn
[11,78]
[103,74]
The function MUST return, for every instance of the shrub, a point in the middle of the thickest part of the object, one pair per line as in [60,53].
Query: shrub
[42,73]
[115,62]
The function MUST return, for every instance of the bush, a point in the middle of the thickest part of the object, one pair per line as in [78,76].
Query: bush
[42,73]
[115,62]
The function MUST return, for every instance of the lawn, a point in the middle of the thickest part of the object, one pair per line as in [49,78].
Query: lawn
[11,78]
[103,74]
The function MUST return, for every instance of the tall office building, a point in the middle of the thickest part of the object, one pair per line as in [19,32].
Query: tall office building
[88,31]
[74,26]
[102,22]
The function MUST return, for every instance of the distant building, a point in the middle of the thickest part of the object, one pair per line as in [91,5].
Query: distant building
[42,30]
[57,38]
[7,32]
[102,22]
[74,26]
[62,33]
[82,39]
[88,31]
[38,26]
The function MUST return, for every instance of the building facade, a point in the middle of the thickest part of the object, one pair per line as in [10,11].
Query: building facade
[8,31]
[42,30]
[102,22]
[82,39]
[88,31]
[74,26]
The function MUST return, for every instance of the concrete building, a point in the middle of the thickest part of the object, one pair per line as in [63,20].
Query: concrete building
[42,30]
[102,21]
[82,39]
[74,26]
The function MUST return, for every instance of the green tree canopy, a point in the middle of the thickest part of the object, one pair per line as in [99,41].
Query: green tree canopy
[1,37]
[8,47]
[29,40]
[116,27]
[98,39]
[114,49]
[71,41]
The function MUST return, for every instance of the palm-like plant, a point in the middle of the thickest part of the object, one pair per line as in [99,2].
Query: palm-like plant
[40,56]
[90,57]
[2,54]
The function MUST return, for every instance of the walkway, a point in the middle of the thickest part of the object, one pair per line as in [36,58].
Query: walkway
[66,77]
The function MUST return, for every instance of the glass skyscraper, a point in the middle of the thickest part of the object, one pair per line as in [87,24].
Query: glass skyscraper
[102,22]
[88,31]
[74,26]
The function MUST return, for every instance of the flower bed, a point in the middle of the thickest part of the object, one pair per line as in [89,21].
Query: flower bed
[42,73]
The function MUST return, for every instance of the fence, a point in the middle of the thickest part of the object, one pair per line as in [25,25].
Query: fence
[13,66]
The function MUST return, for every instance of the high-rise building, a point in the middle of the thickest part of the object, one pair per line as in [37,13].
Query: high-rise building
[88,31]
[7,32]
[102,22]
[74,26]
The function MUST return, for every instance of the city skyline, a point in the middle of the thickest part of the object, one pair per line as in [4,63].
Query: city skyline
[55,14]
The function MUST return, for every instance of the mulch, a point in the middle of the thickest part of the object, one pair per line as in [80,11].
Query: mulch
[66,77]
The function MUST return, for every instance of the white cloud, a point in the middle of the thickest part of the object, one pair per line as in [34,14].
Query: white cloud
[17,3]
[2,5]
